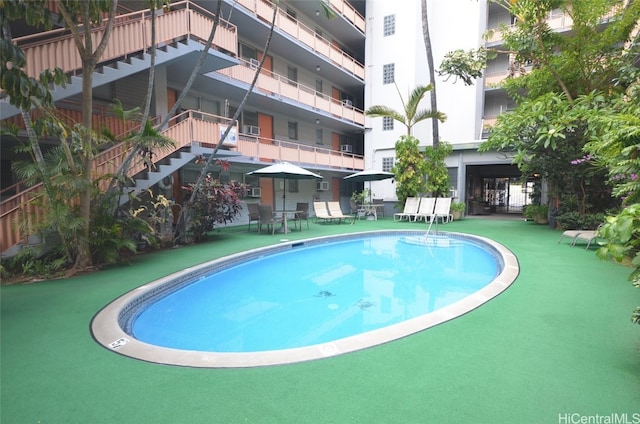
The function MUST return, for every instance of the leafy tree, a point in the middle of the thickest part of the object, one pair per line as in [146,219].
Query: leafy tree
[438,175]
[549,128]
[409,168]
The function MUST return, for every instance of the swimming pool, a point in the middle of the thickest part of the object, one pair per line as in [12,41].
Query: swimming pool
[219,315]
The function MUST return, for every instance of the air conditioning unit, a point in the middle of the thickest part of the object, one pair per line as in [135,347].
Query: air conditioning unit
[322,185]
[453,194]
[347,148]
[347,102]
[251,129]
[256,192]
[253,63]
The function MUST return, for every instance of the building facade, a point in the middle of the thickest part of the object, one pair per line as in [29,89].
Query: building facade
[318,77]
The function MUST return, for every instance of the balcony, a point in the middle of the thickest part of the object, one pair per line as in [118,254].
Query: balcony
[263,10]
[278,86]
[131,34]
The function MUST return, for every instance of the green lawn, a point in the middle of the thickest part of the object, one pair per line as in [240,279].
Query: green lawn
[558,341]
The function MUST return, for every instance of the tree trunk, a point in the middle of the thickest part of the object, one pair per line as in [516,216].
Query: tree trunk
[432,73]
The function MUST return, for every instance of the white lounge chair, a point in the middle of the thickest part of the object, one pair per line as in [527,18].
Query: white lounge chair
[335,211]
[321,212]
[572,234]
[442,210]
[410,210]
[588,236]
[425,210]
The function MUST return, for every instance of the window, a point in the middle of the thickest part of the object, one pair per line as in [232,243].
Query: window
[319,136]
[247,52]
[388,72]
[293,130]
[291,14]
[387,123]
[293,185]
[292,75]
[318,87]
[387,164]
[389,25]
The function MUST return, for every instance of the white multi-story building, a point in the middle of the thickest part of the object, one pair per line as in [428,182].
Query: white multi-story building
[396,62]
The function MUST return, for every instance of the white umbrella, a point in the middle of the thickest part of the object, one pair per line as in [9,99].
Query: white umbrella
[286,171]
[370,175]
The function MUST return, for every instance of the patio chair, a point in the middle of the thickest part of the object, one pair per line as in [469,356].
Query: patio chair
[410,210]
[254,213]
[425,210]
[303,214]
[357,210]
[336,212]
[266,218]
[379,202]
[442,209]
[321,212]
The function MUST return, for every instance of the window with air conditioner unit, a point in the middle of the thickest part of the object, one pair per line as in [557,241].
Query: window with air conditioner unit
[323,185]
[251,129]
[253,63]
[347,148]
[347,102]
[256,192]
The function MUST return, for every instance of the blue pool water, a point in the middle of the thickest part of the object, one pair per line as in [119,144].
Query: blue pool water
[316,294]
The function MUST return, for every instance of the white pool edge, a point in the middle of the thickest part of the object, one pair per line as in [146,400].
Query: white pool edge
[106,329]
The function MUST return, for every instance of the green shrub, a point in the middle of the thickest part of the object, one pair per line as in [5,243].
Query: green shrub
[577,221]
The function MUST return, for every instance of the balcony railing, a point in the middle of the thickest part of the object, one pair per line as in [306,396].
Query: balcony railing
[263,9]
[352,15]
[131,34]
[276,85]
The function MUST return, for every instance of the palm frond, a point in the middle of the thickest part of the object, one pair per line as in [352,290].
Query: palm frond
[379,111]
[421,115]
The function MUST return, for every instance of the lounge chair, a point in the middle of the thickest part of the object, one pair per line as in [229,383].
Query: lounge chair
[572,234]
[588,236]
[266,218]
[410,210]
[321,212]
[442,209]
[425,210]
[254,213]
[336,212]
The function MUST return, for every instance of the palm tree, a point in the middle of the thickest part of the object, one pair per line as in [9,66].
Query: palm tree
[411,115]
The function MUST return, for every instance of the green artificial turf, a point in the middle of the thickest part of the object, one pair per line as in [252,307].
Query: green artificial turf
[558,341]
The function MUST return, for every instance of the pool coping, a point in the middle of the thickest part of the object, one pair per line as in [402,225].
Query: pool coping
[107,325]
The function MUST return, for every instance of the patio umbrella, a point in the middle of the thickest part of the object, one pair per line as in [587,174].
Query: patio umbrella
[369,175]
[286,171]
